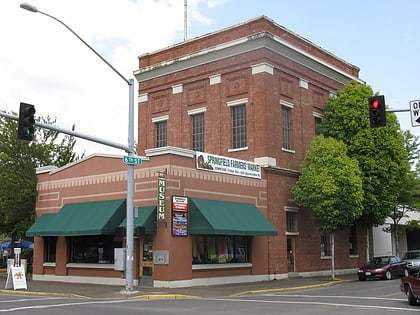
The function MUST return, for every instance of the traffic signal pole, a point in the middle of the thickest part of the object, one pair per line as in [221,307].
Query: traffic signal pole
[71,133]
[129,264]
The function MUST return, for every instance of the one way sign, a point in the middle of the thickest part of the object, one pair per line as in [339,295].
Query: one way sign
[415,113]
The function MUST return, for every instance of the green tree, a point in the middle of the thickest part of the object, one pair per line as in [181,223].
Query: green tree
[330,185]
[18,161]
[380,152]
[409,197]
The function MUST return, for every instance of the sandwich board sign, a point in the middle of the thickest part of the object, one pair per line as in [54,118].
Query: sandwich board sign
[16,278]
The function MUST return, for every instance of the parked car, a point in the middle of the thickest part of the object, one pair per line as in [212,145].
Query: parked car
[383,267]
[410,286]
[412,257]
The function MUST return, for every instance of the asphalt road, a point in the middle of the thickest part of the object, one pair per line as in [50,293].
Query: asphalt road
[367,298]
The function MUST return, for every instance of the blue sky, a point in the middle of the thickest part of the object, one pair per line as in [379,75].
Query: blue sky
[44,64]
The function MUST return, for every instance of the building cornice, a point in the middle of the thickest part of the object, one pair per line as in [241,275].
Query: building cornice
[244,45]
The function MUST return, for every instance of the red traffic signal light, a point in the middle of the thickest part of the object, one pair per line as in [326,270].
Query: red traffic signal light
[26,122]
[377,113]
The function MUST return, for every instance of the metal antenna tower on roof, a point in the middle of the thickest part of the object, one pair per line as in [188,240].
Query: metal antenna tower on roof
[185,19]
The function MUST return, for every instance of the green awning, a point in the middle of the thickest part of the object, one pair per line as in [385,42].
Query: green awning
[86,218]
[146,219]
[227,218]
[44,222]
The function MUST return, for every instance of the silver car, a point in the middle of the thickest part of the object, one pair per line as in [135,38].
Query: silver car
[412,257]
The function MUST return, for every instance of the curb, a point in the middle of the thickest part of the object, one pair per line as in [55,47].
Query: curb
[67,295]
[166,296]
[163,296]
[262,291]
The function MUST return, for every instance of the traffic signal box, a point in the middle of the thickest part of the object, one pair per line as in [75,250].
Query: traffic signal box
[377,111]
[26,122]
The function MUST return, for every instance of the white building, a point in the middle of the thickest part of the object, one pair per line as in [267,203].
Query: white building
[384,242]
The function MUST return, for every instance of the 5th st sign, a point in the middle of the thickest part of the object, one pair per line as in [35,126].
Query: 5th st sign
[415,113]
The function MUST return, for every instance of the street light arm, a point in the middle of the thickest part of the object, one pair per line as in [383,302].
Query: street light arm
[129,266]
[31,8]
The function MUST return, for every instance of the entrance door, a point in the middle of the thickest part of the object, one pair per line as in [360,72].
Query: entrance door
[146,260]
[290,254]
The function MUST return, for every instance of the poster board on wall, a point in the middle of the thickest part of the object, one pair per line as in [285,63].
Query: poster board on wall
[180,209]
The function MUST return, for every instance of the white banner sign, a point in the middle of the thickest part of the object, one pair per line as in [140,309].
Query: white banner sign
[227,165]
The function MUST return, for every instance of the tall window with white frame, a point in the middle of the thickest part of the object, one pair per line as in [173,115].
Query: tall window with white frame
[286,109]
[239,126]
[161,133]
[291,226]
[197,128]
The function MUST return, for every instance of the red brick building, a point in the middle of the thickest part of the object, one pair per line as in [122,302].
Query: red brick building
[224,121]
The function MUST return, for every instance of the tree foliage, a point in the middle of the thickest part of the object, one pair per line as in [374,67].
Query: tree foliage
[410,193]
[408,199]
[380,152]
[330,185]
[18,161]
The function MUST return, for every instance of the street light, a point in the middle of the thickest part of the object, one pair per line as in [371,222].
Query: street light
[129,269]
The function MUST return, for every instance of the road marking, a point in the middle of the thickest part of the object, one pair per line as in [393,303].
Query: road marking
[337,297]
[392,294]
[14,309]
[391,308]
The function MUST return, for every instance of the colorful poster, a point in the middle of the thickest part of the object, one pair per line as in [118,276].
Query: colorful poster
[179,223]
[179,203]
[180,207]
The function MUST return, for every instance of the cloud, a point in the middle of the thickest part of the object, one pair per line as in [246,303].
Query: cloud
[44,64]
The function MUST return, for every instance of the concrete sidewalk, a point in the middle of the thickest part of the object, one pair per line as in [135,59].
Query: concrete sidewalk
[77,290]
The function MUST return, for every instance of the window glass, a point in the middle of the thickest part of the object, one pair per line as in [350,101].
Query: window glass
[50,248]
[198,132]
[291,221]
[219,249]
[286,127]
[239,126]
[325,245]
[353,241]
[318,121]
[93,249]
[161,134]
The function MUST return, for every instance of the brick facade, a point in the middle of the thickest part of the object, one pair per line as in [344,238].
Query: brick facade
[262,65]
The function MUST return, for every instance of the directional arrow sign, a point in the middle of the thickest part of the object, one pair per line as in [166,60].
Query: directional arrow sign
[133,160]
[415,113]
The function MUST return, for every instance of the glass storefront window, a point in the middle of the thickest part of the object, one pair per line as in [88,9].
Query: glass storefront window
[219,249]
[98,249]
[50,248]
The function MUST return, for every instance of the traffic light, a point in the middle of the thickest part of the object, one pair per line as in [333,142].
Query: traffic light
[377,111]
[26,122]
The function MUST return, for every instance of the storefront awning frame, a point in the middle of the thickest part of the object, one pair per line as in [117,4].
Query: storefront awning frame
[217,217]
[77,219]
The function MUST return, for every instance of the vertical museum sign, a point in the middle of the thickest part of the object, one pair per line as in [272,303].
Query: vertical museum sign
[161,202]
